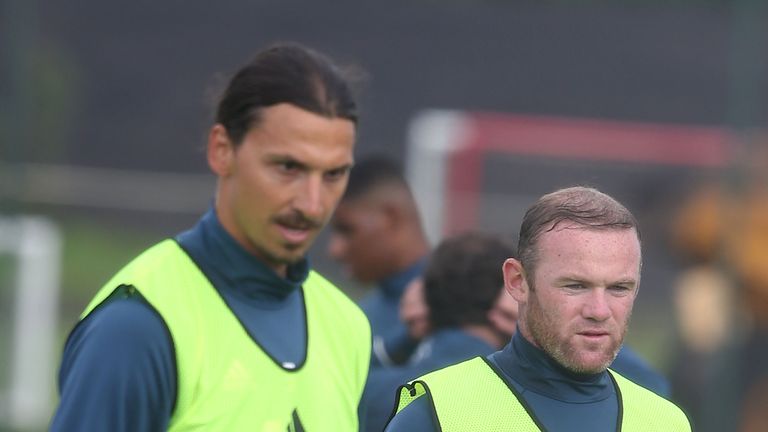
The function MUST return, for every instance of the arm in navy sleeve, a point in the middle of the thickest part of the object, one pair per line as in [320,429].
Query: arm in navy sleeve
[417,416]
[400,346]
[118,371]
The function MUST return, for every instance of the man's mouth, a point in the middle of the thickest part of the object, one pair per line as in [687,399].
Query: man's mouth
[294,234]
[594,334]
[295,228]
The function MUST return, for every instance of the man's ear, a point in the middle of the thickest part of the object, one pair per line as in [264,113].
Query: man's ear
[515,282]
[391,214]
[221,151]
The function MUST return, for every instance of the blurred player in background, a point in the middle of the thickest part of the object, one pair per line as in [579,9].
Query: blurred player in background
[459,311]
[377,235]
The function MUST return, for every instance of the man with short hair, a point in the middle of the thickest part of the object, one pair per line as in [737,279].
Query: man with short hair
[467,314]
[575,282]
[226,327]
[378,237]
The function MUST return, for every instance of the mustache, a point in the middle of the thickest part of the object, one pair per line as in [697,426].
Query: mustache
[297,220]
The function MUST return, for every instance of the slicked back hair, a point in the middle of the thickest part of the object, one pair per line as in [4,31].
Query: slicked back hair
[583,206]
[284,73]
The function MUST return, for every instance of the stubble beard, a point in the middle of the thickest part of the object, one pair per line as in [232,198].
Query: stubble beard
[565,353]
[281,253]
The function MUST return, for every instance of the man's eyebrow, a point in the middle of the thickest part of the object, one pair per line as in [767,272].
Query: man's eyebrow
[574,278]
[281,158]
[570,278]
[346,167]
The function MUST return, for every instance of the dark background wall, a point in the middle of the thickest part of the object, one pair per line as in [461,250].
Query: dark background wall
[131,84]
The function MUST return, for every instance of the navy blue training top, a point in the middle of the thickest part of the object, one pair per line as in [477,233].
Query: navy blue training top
[391,344]
[118,369]
[560,399]
[442,348]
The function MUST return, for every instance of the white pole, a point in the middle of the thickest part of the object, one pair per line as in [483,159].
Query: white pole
[36,320]
[433,136]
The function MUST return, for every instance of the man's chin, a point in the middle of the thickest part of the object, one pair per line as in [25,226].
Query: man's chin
[589,365]
[292,258]
[595,369]
[588,369]
[291,254]
[284,255]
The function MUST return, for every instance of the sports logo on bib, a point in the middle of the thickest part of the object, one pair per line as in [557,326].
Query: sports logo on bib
[295,425]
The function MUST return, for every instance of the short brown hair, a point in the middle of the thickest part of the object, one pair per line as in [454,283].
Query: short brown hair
[463,279]
[581,205]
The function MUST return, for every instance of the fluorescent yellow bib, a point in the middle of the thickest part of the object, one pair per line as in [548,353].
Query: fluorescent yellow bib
[226,382]
[470,396]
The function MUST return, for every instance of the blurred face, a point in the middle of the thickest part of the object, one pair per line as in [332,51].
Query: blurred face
[359,239]
[279,187]
[504,315]
[414,311]
[584,288]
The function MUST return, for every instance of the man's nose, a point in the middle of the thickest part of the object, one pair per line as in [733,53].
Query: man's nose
[309,200]
[597,306]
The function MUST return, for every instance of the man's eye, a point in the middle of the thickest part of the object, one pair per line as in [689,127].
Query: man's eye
[336,174]
[289,166]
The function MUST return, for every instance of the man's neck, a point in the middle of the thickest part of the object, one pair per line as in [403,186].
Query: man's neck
[487,334]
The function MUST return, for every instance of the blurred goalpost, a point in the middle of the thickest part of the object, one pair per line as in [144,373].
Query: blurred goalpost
[481,170]
[31,245]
